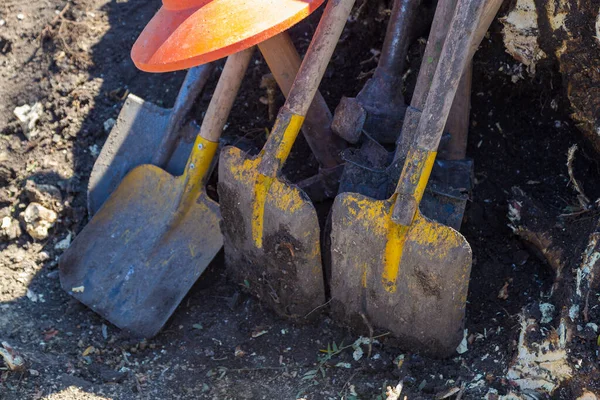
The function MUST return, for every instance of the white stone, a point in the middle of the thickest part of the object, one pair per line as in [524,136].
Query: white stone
[38,220]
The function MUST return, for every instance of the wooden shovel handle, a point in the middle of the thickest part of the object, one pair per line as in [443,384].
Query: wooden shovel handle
[458,119]
[437,36]
[207,141]
[452,62]
[284,62]
[224,95]
[435,42]
[319,53]
[291,116]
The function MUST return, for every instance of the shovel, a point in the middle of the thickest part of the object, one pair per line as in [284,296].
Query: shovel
[391,265]
[270,227]
[155,235]
[379,107]
[146,134]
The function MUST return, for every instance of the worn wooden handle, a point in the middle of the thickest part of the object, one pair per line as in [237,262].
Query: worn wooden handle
[439,30]
[319,53]
[291,116]
[452,62]
[458,119]
[284,62]
[224,95]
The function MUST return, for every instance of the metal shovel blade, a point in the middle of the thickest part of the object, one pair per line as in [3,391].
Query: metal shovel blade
[285,270]
[133,141]
[138,257]
[396,279]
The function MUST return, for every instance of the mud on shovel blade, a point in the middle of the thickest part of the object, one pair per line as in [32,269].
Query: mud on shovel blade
[141,253]
[404,272]
[142,132]
[270,226]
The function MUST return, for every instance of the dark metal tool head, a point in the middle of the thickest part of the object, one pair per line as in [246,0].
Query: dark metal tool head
[133,141]
[371,171]
[379,107]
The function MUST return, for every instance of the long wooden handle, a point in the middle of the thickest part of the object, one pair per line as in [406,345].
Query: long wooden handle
[197,169]
[291,116]
[224,95]
[319,53]
[453,59]
[439,29]
[457,124]
[437,35]
[284,62]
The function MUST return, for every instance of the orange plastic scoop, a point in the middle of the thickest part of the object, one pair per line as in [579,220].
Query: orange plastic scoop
[186,33]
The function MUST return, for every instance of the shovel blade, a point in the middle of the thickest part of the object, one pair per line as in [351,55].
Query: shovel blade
[138,257]
[285,272]
[425,307]
[134,139]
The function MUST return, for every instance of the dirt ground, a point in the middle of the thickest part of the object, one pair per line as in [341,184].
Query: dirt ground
[73,58]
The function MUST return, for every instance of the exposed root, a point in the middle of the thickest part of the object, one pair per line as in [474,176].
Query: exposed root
[584,201]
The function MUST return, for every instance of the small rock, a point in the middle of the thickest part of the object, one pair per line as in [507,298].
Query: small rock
[38,220]
[34,372]
[94,151]
[108,124]
[31,295]
[463,347]
[43,256]
[29,116]
[13,360]
[64,244]
[10,228]
[52,274]
[47,195]
[20,16]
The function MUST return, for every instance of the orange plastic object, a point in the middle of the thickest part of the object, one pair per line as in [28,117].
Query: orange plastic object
[180,37]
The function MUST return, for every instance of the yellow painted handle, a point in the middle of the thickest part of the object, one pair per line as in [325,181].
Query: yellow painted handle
[280,143]
[207,141]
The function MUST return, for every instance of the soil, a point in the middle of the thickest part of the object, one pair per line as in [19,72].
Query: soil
[73,58]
